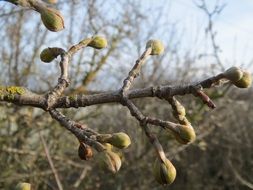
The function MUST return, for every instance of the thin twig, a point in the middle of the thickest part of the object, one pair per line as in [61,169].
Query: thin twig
[50,161]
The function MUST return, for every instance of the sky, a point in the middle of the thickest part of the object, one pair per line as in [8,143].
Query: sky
[234,27]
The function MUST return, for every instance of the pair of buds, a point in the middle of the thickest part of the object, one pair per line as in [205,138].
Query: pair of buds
[49,54]
[108,159]
[238,77]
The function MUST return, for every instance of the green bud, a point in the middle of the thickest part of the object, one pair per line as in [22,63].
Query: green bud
[233,74]
[164,172]
[23,186]
[120,140]
[49,54]
[185,134]
[84,151]
[245,81]
[157,47]
[98,42]
[110,160]
[52,19]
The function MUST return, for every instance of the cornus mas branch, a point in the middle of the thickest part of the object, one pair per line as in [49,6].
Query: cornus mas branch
[23,96]
[90,140]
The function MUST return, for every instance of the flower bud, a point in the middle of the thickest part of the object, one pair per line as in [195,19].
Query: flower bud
[52,19]
[110,160]
[84,151]
[164,172]
[245,81]
[156,46]
[49,54]
[98,42]
[120,140]
[185,134]
[23,186]
[233,74]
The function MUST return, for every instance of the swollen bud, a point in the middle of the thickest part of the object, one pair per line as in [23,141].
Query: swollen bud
[245,81]
[233,74]
[23,186]
[164,172]
[185,134]
[52,19]
[84,151]
[49,54]
[120,140]
[98,42]
[110,160]
[156,46]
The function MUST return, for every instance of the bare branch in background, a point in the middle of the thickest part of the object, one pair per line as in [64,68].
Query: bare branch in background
[50,161]
[210,27]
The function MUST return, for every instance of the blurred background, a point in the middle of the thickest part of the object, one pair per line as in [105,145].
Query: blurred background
[202,38]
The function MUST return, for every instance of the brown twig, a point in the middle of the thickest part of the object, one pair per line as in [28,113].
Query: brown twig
[50,161]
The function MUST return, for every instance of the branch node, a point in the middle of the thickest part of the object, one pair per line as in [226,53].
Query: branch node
[144,121]
[157,92]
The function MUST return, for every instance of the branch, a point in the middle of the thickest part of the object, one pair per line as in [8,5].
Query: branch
[50,161]
[28,98]
[239,177]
